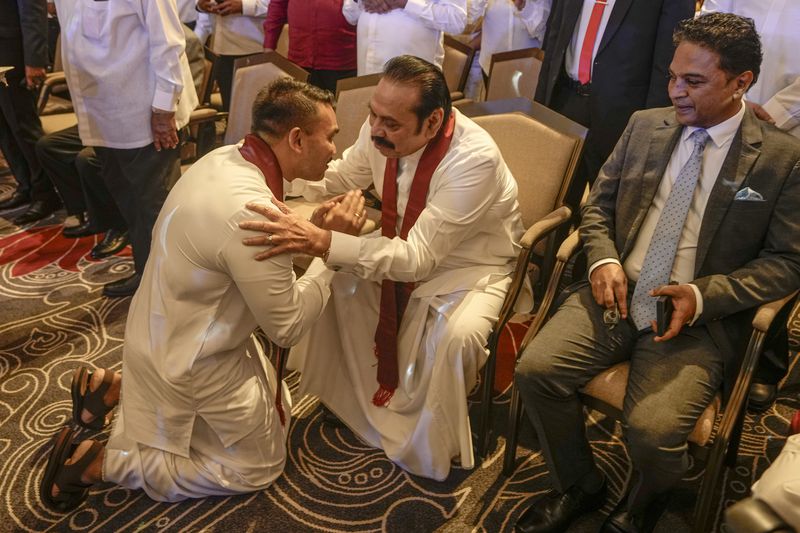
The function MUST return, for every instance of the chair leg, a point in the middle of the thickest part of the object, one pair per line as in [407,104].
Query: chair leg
[484,429]
[736,437]
[512,432]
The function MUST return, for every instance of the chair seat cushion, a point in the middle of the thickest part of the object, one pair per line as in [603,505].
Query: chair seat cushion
[609,387]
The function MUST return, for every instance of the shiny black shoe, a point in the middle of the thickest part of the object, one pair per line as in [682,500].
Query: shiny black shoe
[38,210]
[84,229]
[123,287]
[555,512]
[762,396]
[644,520]
[15,200]
[113,241]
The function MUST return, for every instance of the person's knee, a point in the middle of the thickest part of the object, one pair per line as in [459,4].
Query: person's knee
[651,436]
[43,148]
[536,372]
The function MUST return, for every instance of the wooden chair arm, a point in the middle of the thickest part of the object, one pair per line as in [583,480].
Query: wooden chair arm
[544,226]
[569,247]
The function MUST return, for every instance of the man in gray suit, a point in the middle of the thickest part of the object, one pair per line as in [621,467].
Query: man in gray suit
[697,203]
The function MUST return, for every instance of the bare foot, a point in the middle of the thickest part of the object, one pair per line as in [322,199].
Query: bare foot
[92,474]
[111,397]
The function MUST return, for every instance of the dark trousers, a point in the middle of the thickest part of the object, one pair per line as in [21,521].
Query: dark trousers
[20,128]
[139,180]
[326,79]
[774,362]
[75,171]
[223,73]
[670,385]
[569,103]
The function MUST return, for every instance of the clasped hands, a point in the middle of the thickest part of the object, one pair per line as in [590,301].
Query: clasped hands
[382,6]
[610,287]
[286,232]
[223,7]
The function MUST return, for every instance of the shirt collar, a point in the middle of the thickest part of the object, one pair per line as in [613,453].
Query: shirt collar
[722,133]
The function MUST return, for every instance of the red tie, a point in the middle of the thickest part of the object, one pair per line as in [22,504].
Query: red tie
[585,64]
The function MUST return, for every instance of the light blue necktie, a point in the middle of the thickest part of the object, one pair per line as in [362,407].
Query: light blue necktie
[660,256]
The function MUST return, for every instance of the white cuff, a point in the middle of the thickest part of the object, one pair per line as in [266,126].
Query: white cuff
[601,262]
[344,251]
[165,100]
[248,8]
[416,7]
[698,310]
[783,119]
[318,270]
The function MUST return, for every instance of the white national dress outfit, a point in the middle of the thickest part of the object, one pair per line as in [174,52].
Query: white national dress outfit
[460,252]
[239,34]
[197,415]
[417,30]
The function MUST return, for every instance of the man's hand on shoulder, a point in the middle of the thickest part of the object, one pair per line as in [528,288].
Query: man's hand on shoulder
[285,232]
[684,305]
[610,286]
[760,112]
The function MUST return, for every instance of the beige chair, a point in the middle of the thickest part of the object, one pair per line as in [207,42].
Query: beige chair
[542,155]
[514,74]
[250,75]
[605,393]
[352,97]
[456,65]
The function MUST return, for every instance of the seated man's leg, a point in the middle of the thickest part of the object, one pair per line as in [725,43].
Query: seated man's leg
[670,385]
[57,153]
[779,485]
[574,346]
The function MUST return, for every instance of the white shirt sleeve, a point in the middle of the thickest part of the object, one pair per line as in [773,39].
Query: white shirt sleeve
[717,6]
[534,17]
[351,11]
[475,10]
[255,8]
[167,43]
[784,107]
[449,16]
[284,307]
[447,220]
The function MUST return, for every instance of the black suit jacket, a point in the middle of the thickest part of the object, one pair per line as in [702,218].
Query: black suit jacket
[23,33]
[632,63]
[748,252]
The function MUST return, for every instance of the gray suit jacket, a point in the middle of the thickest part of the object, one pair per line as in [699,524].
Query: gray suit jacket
[748,252]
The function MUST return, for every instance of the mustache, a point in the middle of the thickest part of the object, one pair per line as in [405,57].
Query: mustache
[380,141]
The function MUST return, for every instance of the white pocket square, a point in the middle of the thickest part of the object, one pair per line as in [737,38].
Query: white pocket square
[748,195]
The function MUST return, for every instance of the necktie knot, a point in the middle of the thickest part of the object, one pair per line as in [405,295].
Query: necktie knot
[700,138]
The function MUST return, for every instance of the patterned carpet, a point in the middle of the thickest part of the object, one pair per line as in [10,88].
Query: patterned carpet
[53,319]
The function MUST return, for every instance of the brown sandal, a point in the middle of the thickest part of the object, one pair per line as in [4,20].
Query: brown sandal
[85,398]
[71,490]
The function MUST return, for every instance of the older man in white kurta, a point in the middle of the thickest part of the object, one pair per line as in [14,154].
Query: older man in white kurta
[458,254]
[414,27]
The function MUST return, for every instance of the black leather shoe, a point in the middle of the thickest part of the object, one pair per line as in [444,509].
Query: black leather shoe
[762,396]
[113,241]
[38,210]
[644,520]
[555,512]
[123,287]
[15,200]
[84,229]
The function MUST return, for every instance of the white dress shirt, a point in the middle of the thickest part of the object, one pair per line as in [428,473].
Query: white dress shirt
[778,85]
[573,56]
[187,11]
[201,297]
[418,30]
[714,155]
[507,28]
[122,59]
[240,34]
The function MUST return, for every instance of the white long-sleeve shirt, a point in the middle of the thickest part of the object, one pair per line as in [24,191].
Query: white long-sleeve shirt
[418,29]
[122,59]
[507,28]
[778,85]
[201,297]
[243,33]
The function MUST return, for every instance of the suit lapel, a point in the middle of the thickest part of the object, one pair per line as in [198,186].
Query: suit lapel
[614,21]
[662,144]
[741,156]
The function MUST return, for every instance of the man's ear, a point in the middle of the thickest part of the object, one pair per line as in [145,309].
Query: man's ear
[743,82]
[434,122]
[295,139]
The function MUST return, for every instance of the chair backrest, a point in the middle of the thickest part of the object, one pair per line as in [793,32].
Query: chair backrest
[455,67]
[352,97]
[542,154]
[514,74]
[282,47]
[250,75]
[58,64]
